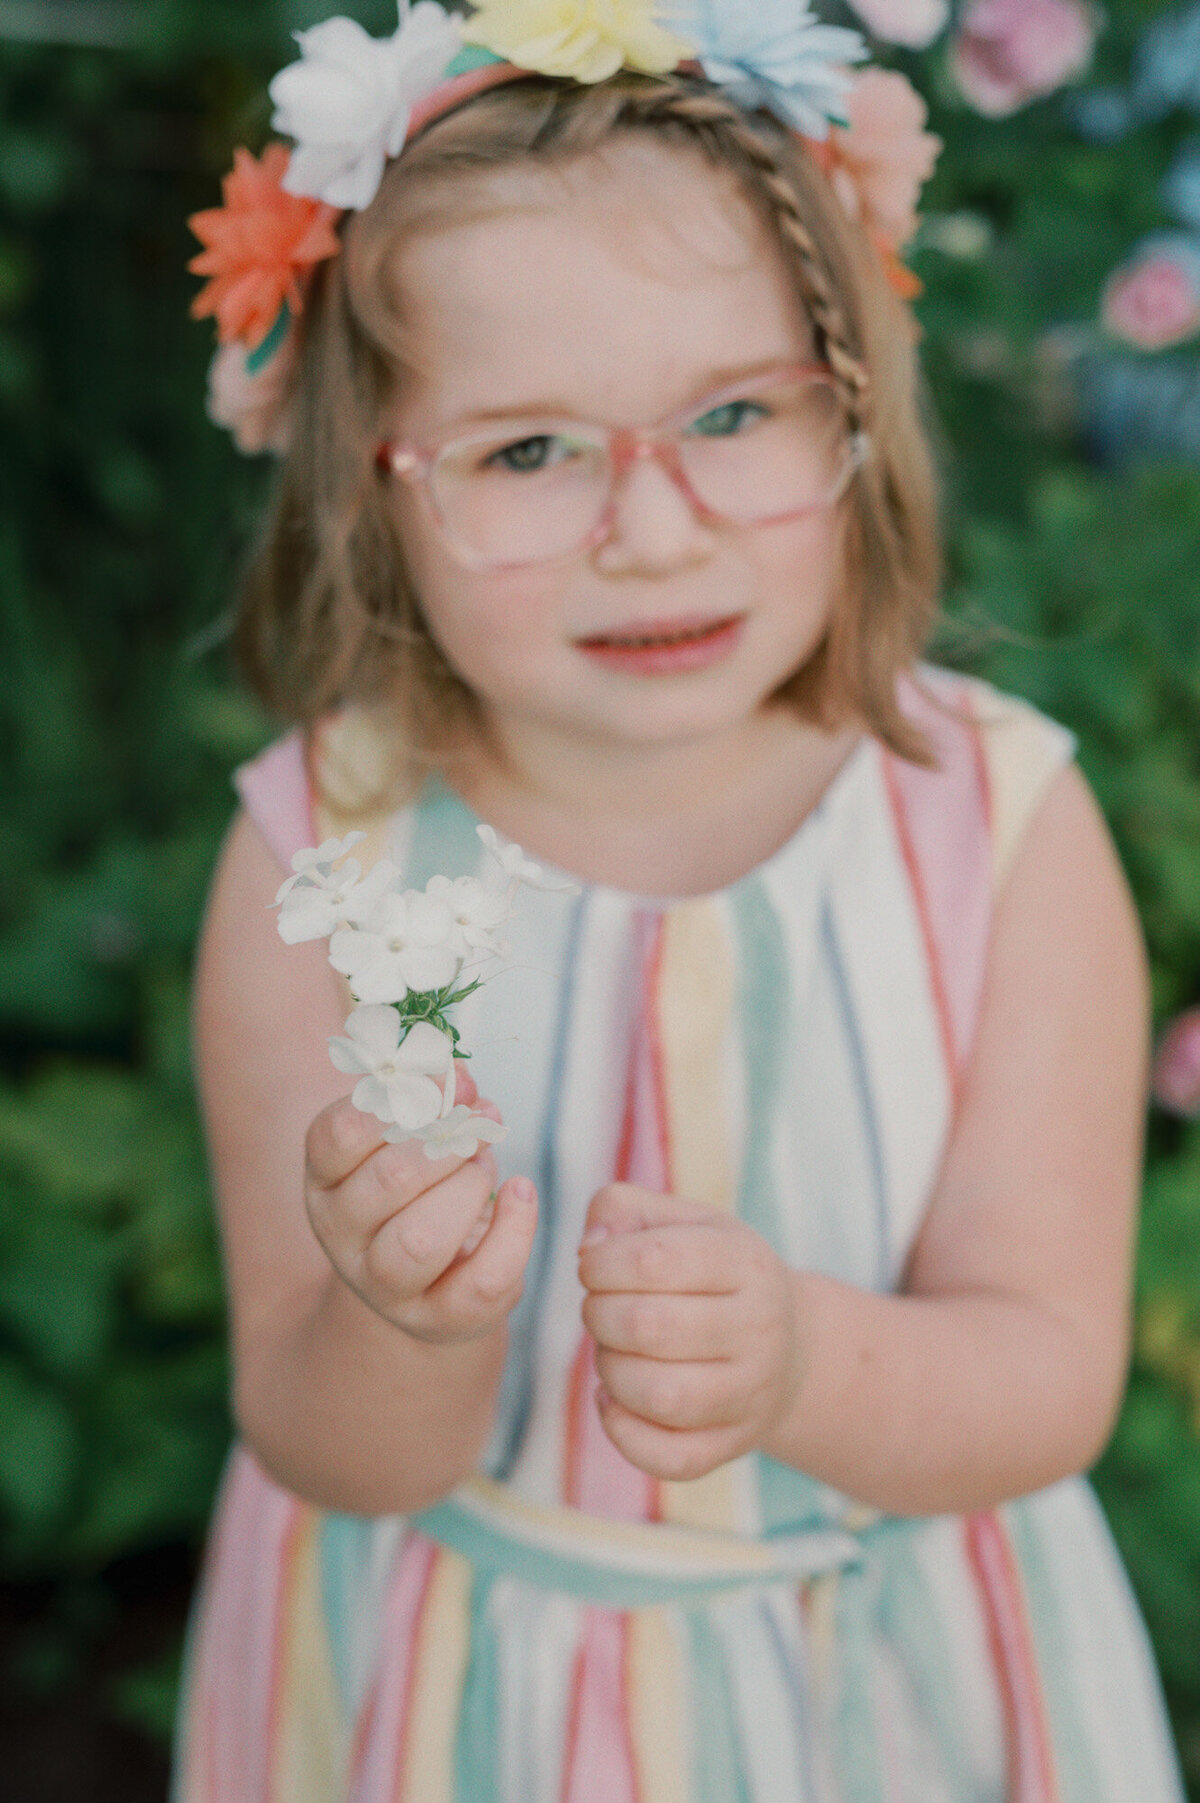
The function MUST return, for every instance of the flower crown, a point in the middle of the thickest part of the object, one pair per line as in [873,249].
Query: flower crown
[351,103]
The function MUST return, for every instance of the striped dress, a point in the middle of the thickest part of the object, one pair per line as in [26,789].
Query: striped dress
[564,1629]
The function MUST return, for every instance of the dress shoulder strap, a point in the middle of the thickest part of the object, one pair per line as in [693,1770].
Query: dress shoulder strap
[1023,751]
[1017,751]
[959,823]
[276,792]
[291,809]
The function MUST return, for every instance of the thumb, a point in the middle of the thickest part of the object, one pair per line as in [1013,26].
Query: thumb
[627,1208]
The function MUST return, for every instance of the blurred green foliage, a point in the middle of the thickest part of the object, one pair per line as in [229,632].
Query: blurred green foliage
[122,517]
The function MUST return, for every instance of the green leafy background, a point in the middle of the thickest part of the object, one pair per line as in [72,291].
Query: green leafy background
[123,514]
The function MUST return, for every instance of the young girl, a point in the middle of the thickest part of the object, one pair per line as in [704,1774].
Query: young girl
[711,1440]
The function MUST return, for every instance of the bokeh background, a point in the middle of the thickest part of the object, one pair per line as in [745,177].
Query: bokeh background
[1060,256]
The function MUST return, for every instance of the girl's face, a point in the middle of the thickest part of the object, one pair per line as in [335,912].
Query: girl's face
[618,292]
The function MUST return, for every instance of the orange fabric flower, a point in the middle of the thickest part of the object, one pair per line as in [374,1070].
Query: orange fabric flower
[258,246]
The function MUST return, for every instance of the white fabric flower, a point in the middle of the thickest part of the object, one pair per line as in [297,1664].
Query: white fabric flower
[317,898]
[776,54]
[348,101]
[407,941]
[455,1135]
[397,1083]
[477,912]
[520,869]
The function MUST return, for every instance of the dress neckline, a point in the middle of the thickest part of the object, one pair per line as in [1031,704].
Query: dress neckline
[843,779]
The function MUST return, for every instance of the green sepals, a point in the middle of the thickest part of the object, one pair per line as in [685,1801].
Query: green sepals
[260,356]
[471,56]
[431,1005]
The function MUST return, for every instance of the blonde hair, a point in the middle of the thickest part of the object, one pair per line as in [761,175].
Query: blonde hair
[329,617]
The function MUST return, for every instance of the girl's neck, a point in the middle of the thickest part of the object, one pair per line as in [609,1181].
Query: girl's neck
[682,819]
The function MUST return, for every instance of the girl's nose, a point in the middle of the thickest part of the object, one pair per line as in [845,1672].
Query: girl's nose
[655,529]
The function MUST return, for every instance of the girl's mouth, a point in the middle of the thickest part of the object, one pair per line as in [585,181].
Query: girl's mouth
[664,647]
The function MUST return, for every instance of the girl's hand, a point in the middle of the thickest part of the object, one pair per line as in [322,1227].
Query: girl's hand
[431,1245]
[695,1324]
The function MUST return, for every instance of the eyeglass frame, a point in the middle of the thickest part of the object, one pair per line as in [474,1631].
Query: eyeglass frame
[626,446]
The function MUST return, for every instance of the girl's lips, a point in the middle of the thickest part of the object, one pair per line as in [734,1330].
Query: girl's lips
[664,647]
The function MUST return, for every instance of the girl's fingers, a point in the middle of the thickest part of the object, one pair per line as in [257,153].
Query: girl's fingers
[628,1207]
[464,1083]
[415,1244]
[338,1140]
[349,1214]
[342,1136]
[489,1279]
[665,1326]
[674,1395]
[690,1257]
[665,1452]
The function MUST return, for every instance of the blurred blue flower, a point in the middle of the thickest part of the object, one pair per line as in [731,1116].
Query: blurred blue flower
[776,55]
[1139,410]
[1166,71]
[1181,186]
[1101,115]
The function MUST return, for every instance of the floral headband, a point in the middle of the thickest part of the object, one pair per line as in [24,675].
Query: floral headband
[352,102]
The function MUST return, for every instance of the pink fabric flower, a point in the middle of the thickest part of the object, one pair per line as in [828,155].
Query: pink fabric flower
[1009,52]
[878,165]
[1153,300]
[911,22]
[252,407]
[1176,1076]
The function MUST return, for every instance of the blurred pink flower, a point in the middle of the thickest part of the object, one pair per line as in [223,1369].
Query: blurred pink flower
[1175,1080]
[1153,300]
[1009,52]
[252,407]
[878,165]
[911,22]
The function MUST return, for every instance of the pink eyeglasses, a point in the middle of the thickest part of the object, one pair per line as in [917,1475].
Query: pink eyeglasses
[529,490]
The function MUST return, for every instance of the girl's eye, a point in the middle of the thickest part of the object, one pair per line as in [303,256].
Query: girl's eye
[527,455]
[726,420]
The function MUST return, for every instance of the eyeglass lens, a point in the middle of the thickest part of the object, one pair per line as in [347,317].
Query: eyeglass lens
[779,449]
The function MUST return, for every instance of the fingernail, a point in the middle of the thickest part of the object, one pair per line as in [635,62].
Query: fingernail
[521,1190]
[593,1237]
[481,1106]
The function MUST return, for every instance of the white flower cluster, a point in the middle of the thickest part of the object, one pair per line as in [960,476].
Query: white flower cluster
[408,955]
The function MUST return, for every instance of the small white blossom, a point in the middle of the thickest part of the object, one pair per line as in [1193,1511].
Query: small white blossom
[403,951]
[406,942]
[477,912]
[397,1083]
[317,860]
[455,1135]
[520,869]
[317,899]
[348,101]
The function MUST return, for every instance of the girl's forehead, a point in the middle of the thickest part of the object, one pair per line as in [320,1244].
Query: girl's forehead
[583,289]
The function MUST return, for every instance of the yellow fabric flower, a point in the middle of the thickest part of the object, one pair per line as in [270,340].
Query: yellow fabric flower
[584,40]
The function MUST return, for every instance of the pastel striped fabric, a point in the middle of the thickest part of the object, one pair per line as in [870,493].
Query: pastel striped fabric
[566,1630]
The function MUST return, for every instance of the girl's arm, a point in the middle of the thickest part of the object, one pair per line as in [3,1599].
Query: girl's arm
[1000,1367]
[367,1345]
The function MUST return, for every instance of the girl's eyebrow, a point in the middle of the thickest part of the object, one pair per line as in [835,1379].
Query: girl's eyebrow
[726,376]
